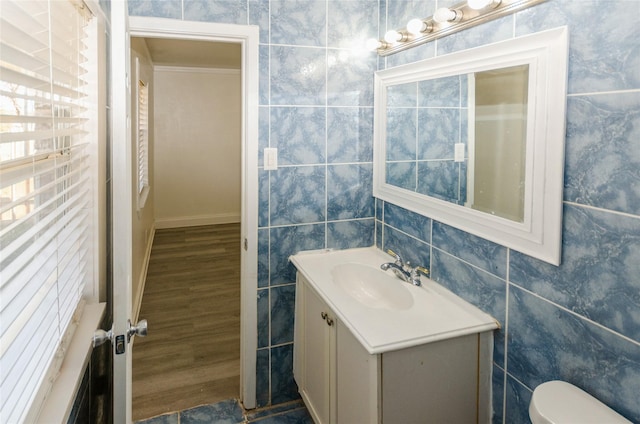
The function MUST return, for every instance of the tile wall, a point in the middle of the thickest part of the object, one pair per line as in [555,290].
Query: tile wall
[579,322]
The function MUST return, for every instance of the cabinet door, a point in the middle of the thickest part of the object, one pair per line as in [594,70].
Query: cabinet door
[318,342]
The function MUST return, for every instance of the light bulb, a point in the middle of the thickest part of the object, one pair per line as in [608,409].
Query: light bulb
[392,36]
[418,26]
[444,14]
[481,4]
[373,44]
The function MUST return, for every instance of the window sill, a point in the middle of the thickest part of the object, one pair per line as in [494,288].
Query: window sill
[58,403]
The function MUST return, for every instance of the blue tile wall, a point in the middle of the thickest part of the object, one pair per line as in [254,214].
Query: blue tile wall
[580,321]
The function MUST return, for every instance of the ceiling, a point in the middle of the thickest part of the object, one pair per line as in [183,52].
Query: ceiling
[194,53]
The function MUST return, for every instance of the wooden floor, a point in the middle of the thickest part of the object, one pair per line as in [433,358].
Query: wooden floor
[191,300]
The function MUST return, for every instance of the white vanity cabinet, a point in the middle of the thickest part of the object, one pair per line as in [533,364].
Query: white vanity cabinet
[341,382]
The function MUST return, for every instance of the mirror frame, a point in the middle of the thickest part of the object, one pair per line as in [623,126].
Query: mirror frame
[540,234]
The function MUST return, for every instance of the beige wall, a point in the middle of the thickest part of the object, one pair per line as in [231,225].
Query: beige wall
[143,219]
[197,146]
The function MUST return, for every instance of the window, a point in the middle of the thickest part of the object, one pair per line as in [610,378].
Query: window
[46,192]
[143,141]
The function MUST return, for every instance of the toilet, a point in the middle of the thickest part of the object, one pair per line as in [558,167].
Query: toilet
[558,402]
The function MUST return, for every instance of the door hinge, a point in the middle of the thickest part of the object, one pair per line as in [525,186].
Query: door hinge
[246,244]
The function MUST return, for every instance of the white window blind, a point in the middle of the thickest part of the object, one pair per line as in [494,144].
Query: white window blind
[143,142]
[45,191]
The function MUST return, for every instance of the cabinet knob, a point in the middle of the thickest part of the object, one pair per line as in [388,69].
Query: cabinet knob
[323,315]
[329,322]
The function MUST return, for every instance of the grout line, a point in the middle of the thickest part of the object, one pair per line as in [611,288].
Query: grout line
[604,93]
[595,208]
[506,341]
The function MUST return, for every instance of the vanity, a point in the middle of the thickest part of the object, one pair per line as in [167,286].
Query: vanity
[371,348]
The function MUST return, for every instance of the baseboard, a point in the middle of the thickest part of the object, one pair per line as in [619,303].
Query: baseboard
[194,221]
[137,301]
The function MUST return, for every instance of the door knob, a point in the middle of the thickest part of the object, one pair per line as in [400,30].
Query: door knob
[101,336]
[138,330]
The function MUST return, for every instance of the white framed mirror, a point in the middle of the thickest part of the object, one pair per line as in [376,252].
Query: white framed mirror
[475,139]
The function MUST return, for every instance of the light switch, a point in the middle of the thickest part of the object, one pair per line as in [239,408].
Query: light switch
[458,152]
[270,158]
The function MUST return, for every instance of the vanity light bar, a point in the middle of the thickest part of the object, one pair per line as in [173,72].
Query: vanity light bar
[446,21]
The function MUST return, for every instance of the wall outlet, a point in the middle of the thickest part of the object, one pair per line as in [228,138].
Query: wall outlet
[458,155]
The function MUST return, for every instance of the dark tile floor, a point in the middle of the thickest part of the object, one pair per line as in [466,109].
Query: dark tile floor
[231,412]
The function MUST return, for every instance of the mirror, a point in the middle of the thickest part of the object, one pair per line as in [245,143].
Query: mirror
[475,139]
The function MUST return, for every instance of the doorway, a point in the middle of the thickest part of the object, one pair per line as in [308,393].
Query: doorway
[247,38]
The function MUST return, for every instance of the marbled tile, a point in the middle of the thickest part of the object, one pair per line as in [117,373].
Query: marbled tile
[399,12]
[301,23]
[282,313]
[161,419]
[483,290]
[410,222]
[489,32]
[497,398]
[603,60]
[298,76]
[439,179]
[255,414]
[157,9]
[263,318]
[287,241]
[218,11]
[297,416]
[442,92]
[299,134]
[549,343]
[263,257]
[226,412]
[259,15]
[350,234]
[297,195]
[402,174]
[402,95]
[602,151]
[380,204]
[414,54]
[379,228]
[349,134]
[283,386]
[263,377]
[518,399]
[409,248]
[350,191]
[438,131]
[350,77]
[263,197]
[598,276]
[264,81]
[351,23]
[263,132]
[401,134]
[482,253]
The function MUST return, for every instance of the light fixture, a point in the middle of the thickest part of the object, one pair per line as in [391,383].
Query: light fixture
[481,4]
[444,14]
[419,26]
[394,36]
[446,21]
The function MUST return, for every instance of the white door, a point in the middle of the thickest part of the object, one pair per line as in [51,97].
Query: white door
[121,208]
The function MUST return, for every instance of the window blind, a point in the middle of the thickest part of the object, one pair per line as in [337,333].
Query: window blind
[143,141]
[45,191]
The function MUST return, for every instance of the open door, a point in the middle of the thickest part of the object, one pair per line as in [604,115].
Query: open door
[121,208]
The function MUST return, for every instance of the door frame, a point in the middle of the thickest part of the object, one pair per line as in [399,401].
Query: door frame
[248,38]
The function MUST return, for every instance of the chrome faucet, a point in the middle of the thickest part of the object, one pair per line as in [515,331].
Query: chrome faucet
[403,270]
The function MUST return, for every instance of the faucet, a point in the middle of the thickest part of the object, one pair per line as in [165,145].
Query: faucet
[403,270]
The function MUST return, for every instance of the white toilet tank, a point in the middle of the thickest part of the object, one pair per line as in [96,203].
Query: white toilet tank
[558,402]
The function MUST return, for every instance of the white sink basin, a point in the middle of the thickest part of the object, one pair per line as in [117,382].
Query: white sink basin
[372,287]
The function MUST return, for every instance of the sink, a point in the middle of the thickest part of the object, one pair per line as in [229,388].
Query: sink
[372,287]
